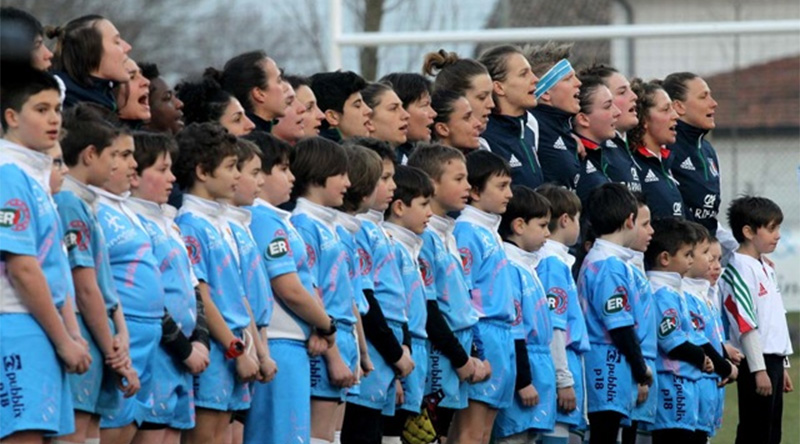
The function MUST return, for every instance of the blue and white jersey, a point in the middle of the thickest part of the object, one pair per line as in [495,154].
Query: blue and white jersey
[380,270]
[644,308]
[618,164]
[251,265]
[674,324]
[407,247]
[176,269]
[284,251]
[130,252]
[658,185]
[533,316]
[29,224]
[557,149]
[591,174]
[485,264]
[327,257]
[605,284]
[209,242]
[347,226]
[705,317]
[555,272]
[83,236]
[443,274]
[515,141]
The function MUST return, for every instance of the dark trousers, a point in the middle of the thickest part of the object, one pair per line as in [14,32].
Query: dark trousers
[678,436]
[362,425]
[760,416]
[604,427]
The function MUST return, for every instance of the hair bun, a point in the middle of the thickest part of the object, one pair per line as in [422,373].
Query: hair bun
[437,61]
[53,32]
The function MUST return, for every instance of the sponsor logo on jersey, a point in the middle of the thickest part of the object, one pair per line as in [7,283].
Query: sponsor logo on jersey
[668,324]
[425,271]
[277,248]
[557,300]
[364,262]
[517,313]
[312,255]
[762,291]
[559,145]
[611,144]
[687,165]
[15,214]
[677,209]
[713,168]
[634,174]
[650,177]
[617,302]
[466,259]
[513,162]
[193,249]
[709,200]
[590,167]
[697,321]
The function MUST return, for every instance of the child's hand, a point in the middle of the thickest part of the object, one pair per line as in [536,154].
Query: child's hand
[483,371]
[246,368]
[366,364]
[338,372]
[198,360]
[733,353]
[405,365]
[267,369]
[787,382]
[644,391]
[75,356]
[763,384]
[528,395]
[128,381]
[316,345]
[567,400]
[649,375]
[466,371]
[399,394]
[708,366]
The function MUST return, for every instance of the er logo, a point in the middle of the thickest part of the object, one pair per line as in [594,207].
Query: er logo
[277,248]
[668,324]
[8,217]
[617,302]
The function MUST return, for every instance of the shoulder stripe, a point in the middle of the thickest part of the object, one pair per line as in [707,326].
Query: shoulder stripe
[740,291]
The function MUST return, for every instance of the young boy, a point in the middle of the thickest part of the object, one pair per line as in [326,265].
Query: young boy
[644,413]
[486,270]
[682,356]
[757,321]
[614,365]
[524,229]
[339,97]
[706,323]
[35,281]
[299,324]
[406,219]
[451,317]
[206,169]
[320,169]
[385,322]
[570,341]
[184,350]
[90,150]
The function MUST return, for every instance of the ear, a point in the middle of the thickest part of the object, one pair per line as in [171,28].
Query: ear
[441,129]
[680,108]
[563,220]
[332,117]
[545,98]
[200,174]
[663,259]
[629,223]
[88,155]
[135,181]
[581,120]
[398,208]
[498,88]
[11,117]
[258,95]
[474,195]
[518,226]
[748,232]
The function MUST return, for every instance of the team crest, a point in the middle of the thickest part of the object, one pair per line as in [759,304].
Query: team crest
[697,321]
[466,259]
[192,249]
[16,215]
[364,262]
[713,168]
[617,302]
[517,313]
[557,300]
[669,323]
[77,236]
[312,256]
[425,271]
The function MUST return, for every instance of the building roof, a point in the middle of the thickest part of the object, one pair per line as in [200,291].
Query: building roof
[759,97]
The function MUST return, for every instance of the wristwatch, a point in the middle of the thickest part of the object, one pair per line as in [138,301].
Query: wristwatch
[235,350]
[331,330]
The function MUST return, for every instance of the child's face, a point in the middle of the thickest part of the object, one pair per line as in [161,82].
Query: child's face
[155,183]
[702,260]
[59,168]
[335,188]
[534,233]
[572,229]
[451,191]
[644,231]
[119,181]
[102,165]
[353,119]
[277,186]
[384,191]
[681,262]
[235,120]
[36,125]
[250,182]
[221,183]
[390,119]
[495,195]
[714,265]
[416,216]
[766,238]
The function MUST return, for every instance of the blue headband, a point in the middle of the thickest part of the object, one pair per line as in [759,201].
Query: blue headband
[553,76]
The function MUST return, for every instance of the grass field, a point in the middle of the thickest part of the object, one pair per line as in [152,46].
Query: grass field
[791,401]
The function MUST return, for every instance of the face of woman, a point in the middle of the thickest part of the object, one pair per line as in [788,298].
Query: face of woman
[699,107]
[564,94]
[661,120]
[235,120]
[462,129]
[115,53]
[136,103]
[313,117]
[518,86]
[390,119]
[601,121]
[625,100]
[165,107]
[421,115]
[480,99]
[290,127]
[275,101]
[42,57]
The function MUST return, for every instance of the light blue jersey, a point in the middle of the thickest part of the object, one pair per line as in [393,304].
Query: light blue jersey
[327,257]
[555,273]
[407,247]
[380,269]
[485,264]
[204,232]
[251,265]
[347,227]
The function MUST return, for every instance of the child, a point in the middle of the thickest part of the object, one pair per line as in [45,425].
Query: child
[33,336]
[485,268]
[320,169]
[206,169]
[90,150]
[605,283]
[184,350]
[681,352]
[406,219]
[569,341]
[524,230]
[385,323]
[299,324]
[705,321]
[644,413]
[757,321]
[451,317]
[339,97]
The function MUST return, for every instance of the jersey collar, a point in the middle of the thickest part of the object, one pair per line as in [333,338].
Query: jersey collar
[207,208]
[35,164]
[667,279]
[406,237]
[555,248]
[442,226]
[481,218]
[527,259]
[589,144]
[350,223]
[81,190]
[696,287]
[283,214]
[323,214]
[626,254]
[374,216]
[238,215]
[637,260]
[664,153]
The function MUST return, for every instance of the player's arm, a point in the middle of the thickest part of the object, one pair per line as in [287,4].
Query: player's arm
[91,305]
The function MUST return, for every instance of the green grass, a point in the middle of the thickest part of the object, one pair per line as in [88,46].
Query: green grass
[791,401]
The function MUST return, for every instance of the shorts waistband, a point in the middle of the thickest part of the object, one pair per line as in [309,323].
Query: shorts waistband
[505,325]
[537,348]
